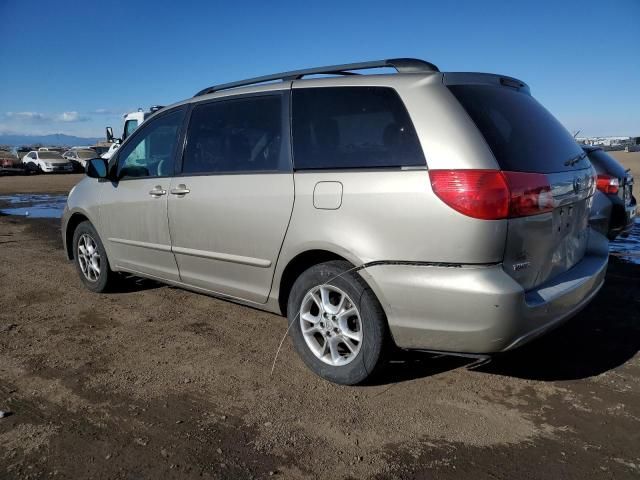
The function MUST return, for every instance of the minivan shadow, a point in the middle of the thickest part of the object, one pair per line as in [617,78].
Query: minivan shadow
[403,366]
[130,283]
[602,337]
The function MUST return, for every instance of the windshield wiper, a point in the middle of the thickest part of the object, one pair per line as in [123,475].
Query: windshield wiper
[573,160]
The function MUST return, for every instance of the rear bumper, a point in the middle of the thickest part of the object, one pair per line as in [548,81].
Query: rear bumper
[630,214]
[480,309]
[611,216]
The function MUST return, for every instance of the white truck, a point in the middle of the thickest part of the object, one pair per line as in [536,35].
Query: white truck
[132,121]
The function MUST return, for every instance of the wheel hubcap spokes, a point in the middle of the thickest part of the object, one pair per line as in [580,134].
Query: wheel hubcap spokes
[89,258]
[331,325]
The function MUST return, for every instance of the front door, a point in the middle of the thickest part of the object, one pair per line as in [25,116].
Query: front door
[133,209]
[230,207]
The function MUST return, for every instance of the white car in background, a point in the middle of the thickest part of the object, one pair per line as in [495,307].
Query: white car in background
[46,161]
[79,156]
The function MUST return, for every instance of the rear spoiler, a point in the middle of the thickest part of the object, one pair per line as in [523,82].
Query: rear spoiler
[474,78]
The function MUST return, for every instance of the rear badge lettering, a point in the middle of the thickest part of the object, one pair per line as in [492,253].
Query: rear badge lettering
[521,266]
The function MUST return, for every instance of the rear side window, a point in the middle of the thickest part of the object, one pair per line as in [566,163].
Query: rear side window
[522,134]
[240,135]
[352,127]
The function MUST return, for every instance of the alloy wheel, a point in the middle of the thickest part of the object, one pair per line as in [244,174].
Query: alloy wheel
[89,257]
[331,325]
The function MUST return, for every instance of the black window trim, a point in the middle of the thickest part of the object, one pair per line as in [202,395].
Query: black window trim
[285,124]
[139,131]
[361,168]
[391,168]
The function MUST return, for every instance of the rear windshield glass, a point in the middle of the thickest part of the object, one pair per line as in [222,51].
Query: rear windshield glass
[352,127]
[522,134]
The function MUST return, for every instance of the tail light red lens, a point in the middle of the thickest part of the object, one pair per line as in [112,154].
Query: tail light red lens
[476,193]
[530,194]
[608,184]
[493,194]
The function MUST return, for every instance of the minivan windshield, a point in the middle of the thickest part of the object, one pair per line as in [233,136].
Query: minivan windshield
[50,156]
[522,134]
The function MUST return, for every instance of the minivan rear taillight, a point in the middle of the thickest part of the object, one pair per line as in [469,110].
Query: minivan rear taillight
[608,184]
[493,194]
[530,193]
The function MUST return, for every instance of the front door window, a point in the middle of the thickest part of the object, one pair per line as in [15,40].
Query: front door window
[150,152]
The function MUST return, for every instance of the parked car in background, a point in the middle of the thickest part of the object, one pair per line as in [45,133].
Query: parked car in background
[46,161]
[439,211]
[101,148]
[78,157]
[8,159]
[22,151]
[614,206]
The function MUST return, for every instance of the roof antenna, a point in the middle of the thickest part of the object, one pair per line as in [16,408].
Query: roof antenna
[577,132]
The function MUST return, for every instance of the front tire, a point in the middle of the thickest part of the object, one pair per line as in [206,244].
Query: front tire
[90,259]
[337,324]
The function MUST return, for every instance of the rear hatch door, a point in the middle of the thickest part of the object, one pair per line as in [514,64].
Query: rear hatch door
[525,137]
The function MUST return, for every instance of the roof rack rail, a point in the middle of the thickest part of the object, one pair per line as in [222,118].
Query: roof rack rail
[402,65]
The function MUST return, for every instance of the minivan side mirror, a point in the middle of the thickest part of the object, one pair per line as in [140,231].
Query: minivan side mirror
[109,134]
[97,168]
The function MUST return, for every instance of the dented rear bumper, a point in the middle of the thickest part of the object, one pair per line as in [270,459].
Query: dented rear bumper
[480,309]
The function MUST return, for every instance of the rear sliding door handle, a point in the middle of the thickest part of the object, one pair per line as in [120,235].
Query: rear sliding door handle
[180,190]
[157,191]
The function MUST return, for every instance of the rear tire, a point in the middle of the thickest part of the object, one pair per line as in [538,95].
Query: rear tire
[90,259]
[337,324]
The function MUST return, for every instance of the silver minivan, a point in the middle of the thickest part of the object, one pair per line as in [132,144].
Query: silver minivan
[418,209]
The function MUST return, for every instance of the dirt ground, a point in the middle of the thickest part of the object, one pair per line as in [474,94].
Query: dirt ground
[153,382]
[630,160]
[58,183]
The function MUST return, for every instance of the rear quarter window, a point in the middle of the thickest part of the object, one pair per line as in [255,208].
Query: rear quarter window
[522,134]
[352,127]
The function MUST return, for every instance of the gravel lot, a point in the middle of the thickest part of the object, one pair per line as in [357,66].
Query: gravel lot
[630,160]
[155,382]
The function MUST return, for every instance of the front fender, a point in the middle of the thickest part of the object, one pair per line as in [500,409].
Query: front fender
[82,204]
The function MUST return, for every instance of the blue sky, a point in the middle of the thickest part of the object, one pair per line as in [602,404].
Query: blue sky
[75,66]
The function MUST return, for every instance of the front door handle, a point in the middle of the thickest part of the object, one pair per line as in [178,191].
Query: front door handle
[157,191]
[180,190]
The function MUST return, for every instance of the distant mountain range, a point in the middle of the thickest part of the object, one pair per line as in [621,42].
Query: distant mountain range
[53,139]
